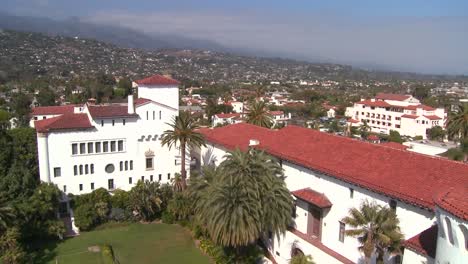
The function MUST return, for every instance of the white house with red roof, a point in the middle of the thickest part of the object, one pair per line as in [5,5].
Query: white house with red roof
[329,174]
[111,146]
[226,119]
[402,113]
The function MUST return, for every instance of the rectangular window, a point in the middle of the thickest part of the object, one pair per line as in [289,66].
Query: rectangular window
[126,165]
[102,123]
[149,163]
[92,168]
[159,177]
[112,146]
[151,177]
[123,121]
[129,180]
[159,115]
[92,186]
[86,169]
[120,145]
[75,170]
[341,232]
[393,205]
[90,147]
[351,193]
[142,178]
[146,115]
[57,172]
[105,146]
[74,149]
[131,165]
[81,169]
[82,148]
[154,115]
[113,122]
[98,147]
[168,176]
[110,184]
[64,188]
[121,166]
[81,187]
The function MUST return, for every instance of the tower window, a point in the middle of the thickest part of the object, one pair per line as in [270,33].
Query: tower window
[81,187]
[57,172]
[92,186]
[351,193]
[149,163]
[393,205]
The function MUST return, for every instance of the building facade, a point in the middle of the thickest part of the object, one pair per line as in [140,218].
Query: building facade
[328,175]
[112,146]
[402,113]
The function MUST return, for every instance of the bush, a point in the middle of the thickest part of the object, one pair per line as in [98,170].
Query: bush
[454,154]
[86,217]
[120,215]
[418,138]
[395,137]
[120,199]
[167,218]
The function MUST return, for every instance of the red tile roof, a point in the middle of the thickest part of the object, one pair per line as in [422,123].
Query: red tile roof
[157,80]
[67,121]
[424,243]
[394,97]
[424,107]
[108,111]
[407,176]
[276,113]
[455,201]
[410,116]
[227,115]
[373,137]
[432,117]
[394,145]
[313,197]
[374,103]
[53,110]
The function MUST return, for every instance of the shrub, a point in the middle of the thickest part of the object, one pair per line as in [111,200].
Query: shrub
[120,199]
[86,217]
[454,154]
[418,138]
[167,217]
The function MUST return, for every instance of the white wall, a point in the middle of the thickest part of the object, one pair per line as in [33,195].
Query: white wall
[412,257]
[446,251]
[168,95]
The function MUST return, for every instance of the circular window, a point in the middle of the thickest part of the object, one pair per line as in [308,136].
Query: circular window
[110,168]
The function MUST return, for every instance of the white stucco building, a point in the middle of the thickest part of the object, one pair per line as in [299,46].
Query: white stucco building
[402,113]
[112,146]
[328,175]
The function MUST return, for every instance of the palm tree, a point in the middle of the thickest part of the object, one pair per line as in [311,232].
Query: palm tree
[245,201]
[258,115]
[6,216]
[364,129]
[376,228]
[177,185]
[183,133]
[457,123]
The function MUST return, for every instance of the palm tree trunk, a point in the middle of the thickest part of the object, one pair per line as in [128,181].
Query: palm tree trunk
[183,171]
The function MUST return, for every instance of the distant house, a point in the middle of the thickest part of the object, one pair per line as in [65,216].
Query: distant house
[223,119]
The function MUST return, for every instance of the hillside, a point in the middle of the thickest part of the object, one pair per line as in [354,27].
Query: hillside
[26,55]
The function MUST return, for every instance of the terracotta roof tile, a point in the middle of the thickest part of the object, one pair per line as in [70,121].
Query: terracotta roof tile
[53,110]
[455,201]
[424,243]
[157,80]
[227,115]
[108,111]
[67,121]
[374,103]
[394,145]
[404,175]
[432,117]
[410,116]
[393,97]
[313,197]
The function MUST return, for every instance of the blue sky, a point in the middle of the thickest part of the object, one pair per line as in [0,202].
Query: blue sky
[412,35]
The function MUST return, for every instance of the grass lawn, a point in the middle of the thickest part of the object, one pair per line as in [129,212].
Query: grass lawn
[133,243]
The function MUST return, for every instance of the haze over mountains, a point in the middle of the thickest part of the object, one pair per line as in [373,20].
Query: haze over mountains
[153,39]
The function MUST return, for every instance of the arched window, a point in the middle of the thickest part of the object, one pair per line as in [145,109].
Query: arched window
[449,230]
[464,231]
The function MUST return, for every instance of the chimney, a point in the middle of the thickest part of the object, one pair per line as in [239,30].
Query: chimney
[131,105]
[254,142]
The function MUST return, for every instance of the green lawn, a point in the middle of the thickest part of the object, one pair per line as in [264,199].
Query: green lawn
[133,243]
